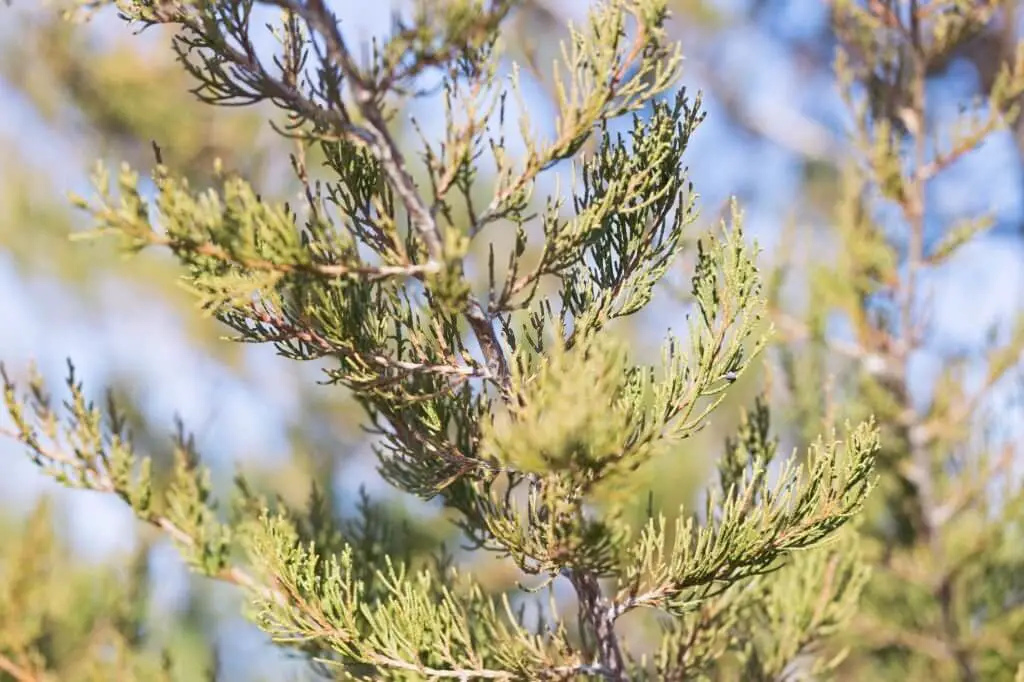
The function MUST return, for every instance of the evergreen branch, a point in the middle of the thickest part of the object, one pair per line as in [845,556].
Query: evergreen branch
[287,331]
[402,351]
[98,463]
[418,623]
[376,136]
[253,71]
[101,481]
[563,672]
[384,148]
[379,139]
[331,271]
[806,504]
[569,137]
[283,595]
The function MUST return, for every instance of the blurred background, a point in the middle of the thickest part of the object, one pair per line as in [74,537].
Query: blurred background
[74,94]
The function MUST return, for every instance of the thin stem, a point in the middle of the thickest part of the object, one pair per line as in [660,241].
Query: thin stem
[913,210]
[920,458]
[600,617]
[16,671]
[385,149]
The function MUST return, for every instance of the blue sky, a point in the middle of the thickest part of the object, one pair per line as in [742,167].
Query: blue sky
[236,417]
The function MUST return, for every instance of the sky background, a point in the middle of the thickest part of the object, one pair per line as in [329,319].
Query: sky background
[235,418]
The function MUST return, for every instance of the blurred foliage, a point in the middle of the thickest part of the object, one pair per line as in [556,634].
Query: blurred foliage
[944,598]
[118,94]
[61,619]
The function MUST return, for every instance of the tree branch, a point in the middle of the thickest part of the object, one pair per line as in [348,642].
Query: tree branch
[384,148]
[17,672]
[600,616]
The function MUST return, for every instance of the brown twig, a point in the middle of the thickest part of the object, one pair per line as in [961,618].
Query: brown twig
[385,149]
[333,271]
[16,671]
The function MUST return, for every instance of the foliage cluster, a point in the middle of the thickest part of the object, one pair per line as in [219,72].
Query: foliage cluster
[495,383]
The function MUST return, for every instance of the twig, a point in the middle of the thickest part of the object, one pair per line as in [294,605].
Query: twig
[238,576]
[101,482]
[288,331]
[19,673]
[601,618]
[384,148]
[912,204]
[333,271]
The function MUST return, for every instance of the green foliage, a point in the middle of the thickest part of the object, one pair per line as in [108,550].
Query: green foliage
[62,621]
[942,533]
[520,413]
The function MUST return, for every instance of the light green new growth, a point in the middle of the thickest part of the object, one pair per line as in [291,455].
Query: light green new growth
[519,410]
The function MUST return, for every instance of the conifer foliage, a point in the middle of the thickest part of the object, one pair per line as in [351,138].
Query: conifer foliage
[494,384]
[942,532]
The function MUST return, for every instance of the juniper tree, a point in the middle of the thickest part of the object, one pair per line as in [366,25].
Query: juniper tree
[494,385]
[942,532]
